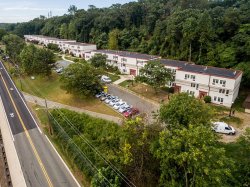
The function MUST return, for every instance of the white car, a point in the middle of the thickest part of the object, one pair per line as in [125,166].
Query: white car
[59,70]
[124,108]
[119,104]
[222,127]
[106,79]
[114,101]
[109,99]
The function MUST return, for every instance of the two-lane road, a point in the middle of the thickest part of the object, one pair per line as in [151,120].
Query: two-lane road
[40,162]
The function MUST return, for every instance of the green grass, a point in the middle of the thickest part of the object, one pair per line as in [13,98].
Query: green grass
[126,83]
[235,120]
[113,77]
[50,88]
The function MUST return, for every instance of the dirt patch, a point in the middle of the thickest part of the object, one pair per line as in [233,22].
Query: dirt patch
[240,128]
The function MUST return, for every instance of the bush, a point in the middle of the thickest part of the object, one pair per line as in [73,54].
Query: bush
[168,89]
[53,47]
[207,99]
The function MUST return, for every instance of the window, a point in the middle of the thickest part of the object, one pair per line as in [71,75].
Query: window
[197,86]
[192,84]
[115,57]
[124,60]
[186,76]
[222,82]
[220,99]
[215,98]
[222,91]
[193,77]
[227,92]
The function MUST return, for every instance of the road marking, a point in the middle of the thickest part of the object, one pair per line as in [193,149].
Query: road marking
[21,98]
[28,136]
[63,161]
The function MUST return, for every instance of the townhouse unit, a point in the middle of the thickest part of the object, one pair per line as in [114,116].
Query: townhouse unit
[221,84]
[76,48]
[127,62]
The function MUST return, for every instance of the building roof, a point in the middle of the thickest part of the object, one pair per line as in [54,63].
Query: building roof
[78,43]
[213,71]
[129,54]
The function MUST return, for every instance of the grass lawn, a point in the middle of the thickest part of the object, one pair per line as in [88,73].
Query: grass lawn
[113,77]
[145,91]
[51,89]
[41,116]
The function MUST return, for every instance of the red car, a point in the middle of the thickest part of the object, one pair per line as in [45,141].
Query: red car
[131,112]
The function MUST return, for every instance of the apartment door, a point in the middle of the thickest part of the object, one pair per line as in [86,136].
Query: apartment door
[202,94]
[132,72]
[177,89]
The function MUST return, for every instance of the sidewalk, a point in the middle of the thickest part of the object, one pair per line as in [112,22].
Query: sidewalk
[122,79]
[52,104]
[16,173]
[63,57]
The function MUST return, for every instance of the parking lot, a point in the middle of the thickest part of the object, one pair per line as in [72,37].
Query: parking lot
[144,106]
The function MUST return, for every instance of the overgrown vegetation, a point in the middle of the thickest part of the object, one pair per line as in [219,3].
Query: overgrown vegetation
[174,155]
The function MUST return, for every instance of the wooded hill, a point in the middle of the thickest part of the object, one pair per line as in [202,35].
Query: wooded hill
[215,33]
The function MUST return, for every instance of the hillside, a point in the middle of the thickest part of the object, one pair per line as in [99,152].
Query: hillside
[215,33]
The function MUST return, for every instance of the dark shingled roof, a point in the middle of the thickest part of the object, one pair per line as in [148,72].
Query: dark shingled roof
[78,43]
[129,54]
[190,67]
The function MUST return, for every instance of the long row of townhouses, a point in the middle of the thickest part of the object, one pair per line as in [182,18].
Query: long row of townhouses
[221,84]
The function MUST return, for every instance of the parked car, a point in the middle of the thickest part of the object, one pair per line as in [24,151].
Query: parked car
[222,127]
[59,70]
[110,98]
[106,79]
[114,101]
[131,112]
[119,104]
[105,96]
[99,94]
[124,108]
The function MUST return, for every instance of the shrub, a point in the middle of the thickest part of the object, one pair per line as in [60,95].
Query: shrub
[207,99]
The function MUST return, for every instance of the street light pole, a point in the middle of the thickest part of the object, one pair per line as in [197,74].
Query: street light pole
[230,113]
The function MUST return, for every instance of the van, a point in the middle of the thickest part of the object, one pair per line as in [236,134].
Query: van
[222,127]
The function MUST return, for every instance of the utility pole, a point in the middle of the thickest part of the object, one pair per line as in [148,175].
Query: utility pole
[46,108]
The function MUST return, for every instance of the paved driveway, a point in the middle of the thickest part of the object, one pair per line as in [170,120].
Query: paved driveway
[143,105]
[63,63]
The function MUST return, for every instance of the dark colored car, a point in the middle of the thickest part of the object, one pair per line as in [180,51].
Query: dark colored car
[131,112]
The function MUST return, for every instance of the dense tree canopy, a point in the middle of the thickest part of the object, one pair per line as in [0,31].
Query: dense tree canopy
[205,32]
[81,79]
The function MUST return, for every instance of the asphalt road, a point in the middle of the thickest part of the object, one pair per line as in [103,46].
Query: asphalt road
[39,161]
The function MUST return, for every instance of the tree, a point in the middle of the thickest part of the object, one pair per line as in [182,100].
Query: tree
[191,157]
[64,31]
[81,79]
[37,61]
[155,74]
[53,47]
[72,9]
[105,177]
[2,33]
[14,45]
[99,60]
[136,158]
[183,110]
[113,39]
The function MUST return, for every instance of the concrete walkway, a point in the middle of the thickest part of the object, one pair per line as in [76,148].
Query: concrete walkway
[63,57]
[16,173]
[52,104]
[123,78]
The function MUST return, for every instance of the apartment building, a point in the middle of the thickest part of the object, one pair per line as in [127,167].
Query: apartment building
[127,62]
[221,84]
[70,46]
[76,48]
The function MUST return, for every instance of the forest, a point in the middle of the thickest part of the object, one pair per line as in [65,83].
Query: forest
[215,33]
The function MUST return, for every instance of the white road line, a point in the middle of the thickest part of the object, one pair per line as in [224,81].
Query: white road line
[63,162]
[7,120]
[22,99]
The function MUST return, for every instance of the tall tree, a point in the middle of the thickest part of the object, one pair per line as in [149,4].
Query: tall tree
[155,74]
[183,110]
[81,79]
[113,39]
[14,45]
[191,157]
[99,61]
